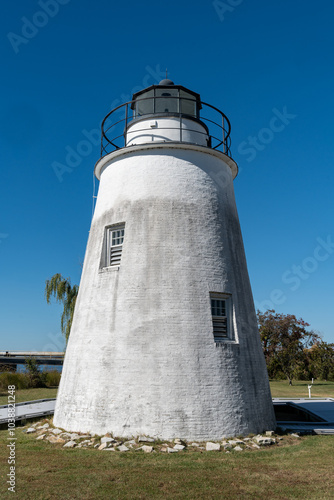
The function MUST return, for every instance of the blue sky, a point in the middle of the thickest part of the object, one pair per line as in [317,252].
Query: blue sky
[64,69]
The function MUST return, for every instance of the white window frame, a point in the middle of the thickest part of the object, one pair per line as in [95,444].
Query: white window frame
[114,248]
[219,322]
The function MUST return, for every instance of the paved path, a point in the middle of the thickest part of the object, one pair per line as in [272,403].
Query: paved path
[29,409]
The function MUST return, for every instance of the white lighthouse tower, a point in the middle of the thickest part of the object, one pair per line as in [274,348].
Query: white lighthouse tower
[164,340]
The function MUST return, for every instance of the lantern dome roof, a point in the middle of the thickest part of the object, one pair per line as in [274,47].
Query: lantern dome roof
[166,81]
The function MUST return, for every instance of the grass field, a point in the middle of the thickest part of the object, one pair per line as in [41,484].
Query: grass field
[45,471]
[320,388]
[302,470]
[29,395]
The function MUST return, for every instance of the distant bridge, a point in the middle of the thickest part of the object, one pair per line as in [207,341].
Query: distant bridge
[14,358]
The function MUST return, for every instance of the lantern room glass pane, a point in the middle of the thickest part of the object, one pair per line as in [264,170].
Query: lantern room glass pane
[144,105]
[188,107]
[167,101]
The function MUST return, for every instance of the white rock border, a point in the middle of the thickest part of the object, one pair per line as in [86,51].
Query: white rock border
[45,431]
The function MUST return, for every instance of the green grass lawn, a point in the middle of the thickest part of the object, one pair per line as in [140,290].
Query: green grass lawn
[282,389]
[45,471]
[29,395]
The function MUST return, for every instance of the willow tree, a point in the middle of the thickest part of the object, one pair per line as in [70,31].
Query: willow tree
[64,292]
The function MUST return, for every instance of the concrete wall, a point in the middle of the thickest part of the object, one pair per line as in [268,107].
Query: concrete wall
[141,358]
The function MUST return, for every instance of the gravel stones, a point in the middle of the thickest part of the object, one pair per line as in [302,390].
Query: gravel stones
[45,426]
[145,439]
[74,436]
[56,436]
[179,447]
[212,446]
[265,440]
[122,447]
[55,440]
[147,449]
[107,439]
[70,444]
[56,431]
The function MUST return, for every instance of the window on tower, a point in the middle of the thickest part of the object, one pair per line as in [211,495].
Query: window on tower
[116,238]
[112,246]
[221,309]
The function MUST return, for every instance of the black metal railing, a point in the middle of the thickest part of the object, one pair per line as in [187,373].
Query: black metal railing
[216,124]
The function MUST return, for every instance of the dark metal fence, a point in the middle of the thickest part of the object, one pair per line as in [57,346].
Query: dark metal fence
[115,125]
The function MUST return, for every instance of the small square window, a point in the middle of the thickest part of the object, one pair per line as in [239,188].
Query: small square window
[221,317]
[115,238]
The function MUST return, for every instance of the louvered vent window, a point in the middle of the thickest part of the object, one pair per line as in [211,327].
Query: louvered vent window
[220,309]
[115,238]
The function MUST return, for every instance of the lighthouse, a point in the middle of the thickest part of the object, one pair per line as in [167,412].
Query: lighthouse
[164,340]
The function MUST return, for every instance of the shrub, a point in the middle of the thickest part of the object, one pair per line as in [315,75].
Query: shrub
[29,379]
[52,378]
[20,380]
[35,376]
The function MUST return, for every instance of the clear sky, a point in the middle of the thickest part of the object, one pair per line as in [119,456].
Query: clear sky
[267,64]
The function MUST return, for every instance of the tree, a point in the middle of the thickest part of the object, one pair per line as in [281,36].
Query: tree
[321,360]
[36,377]
[64,292]
[284,338]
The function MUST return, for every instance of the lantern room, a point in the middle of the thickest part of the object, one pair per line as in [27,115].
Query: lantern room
[164,113]
[166,98]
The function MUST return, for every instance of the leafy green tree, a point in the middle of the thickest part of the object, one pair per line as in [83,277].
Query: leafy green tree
[36,377]
[321,360]
[64,292]
[284,338]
